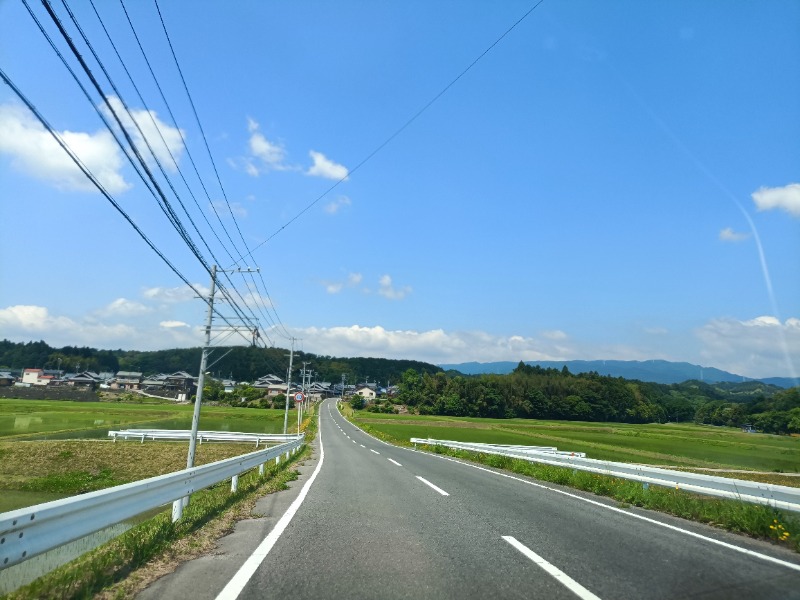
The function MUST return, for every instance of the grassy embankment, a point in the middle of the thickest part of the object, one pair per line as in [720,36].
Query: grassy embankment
[126,564]
[687,446]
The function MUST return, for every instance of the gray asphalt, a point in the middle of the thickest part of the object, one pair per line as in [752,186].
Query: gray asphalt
[371,529]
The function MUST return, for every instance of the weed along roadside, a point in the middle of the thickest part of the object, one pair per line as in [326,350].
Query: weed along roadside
[757,521]
[149,549]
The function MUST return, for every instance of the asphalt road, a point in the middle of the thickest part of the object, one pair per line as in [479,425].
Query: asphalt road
[379,521]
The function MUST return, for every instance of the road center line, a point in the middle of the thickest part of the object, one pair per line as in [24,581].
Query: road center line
[235,586]
[429,484]
[375,451]
[394,462]
[559,575]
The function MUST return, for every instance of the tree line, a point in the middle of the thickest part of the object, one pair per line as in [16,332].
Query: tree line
[244,363]
[534,392]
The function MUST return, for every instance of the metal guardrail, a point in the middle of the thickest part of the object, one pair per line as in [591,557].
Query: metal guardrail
[777,496]
[28,532]
[202,436]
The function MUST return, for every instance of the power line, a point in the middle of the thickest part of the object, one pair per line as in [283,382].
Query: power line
[399,130]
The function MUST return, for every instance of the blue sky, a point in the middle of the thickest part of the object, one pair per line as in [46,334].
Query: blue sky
[613,180]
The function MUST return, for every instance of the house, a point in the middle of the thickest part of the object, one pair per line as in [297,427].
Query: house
[319,390]
[154,383]
[127,380]
[180,382]
[6,378]
[273,384]
[367,393]
[87,379]
[35,377]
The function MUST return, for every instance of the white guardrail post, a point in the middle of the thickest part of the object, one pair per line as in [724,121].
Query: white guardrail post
[30,531]
[777,496]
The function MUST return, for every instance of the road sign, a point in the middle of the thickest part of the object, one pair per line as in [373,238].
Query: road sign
[299,397]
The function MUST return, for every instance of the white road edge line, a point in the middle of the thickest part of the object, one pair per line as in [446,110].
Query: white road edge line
[235,586]
[375,451]
[753,553]
[429,484]
[559,575]
[394,462]
[699,536]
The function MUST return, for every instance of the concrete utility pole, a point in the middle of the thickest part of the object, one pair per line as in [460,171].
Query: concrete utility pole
[288,389]
[178,505]
[201,379]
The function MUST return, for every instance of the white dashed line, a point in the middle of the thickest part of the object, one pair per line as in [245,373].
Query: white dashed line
[375,451]
[394,462]
[433,487]
[559,575]
[362,445]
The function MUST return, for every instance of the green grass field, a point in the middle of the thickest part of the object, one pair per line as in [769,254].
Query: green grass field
[683,445]
[52,449]
[27,419]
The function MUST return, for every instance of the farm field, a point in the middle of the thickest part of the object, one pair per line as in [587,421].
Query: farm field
[47,419]
[53,449]
[676,444]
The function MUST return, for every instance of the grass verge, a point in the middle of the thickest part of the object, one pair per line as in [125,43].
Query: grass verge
[755,520]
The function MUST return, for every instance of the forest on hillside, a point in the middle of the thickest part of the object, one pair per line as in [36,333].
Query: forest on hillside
[243,363]
[537,393]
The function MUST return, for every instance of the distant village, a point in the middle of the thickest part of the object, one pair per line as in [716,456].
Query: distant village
[181,386]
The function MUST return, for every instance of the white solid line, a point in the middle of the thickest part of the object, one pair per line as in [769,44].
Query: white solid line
[375,451]
[699,536]
[559,575]
[428,483]
[235,586]
[391,460]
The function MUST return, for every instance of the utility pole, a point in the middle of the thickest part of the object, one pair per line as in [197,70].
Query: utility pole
[177,506]
[201,379]
[288,389]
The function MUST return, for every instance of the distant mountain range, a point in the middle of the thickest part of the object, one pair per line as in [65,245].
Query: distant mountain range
[657,371]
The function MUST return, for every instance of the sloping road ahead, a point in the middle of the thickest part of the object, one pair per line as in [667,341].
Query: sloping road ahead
[385,522]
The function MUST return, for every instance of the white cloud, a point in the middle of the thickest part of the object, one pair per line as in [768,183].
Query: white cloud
[786,198]
[387,290]
[760,347]
[271,156]
[334,287]
[436,346]
[124,308]
[34,151]
[28,321]
[173,295]
[729,235]
[324,167]
[172,324]
[336,205]
[555,334]
[234,209]
[165,142]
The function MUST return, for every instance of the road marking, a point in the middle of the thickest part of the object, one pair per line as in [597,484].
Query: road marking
[235,586]
[375,451]
[353,441]
[391,460]
[428,483]
[559,575]
[362,445]
[754,554]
